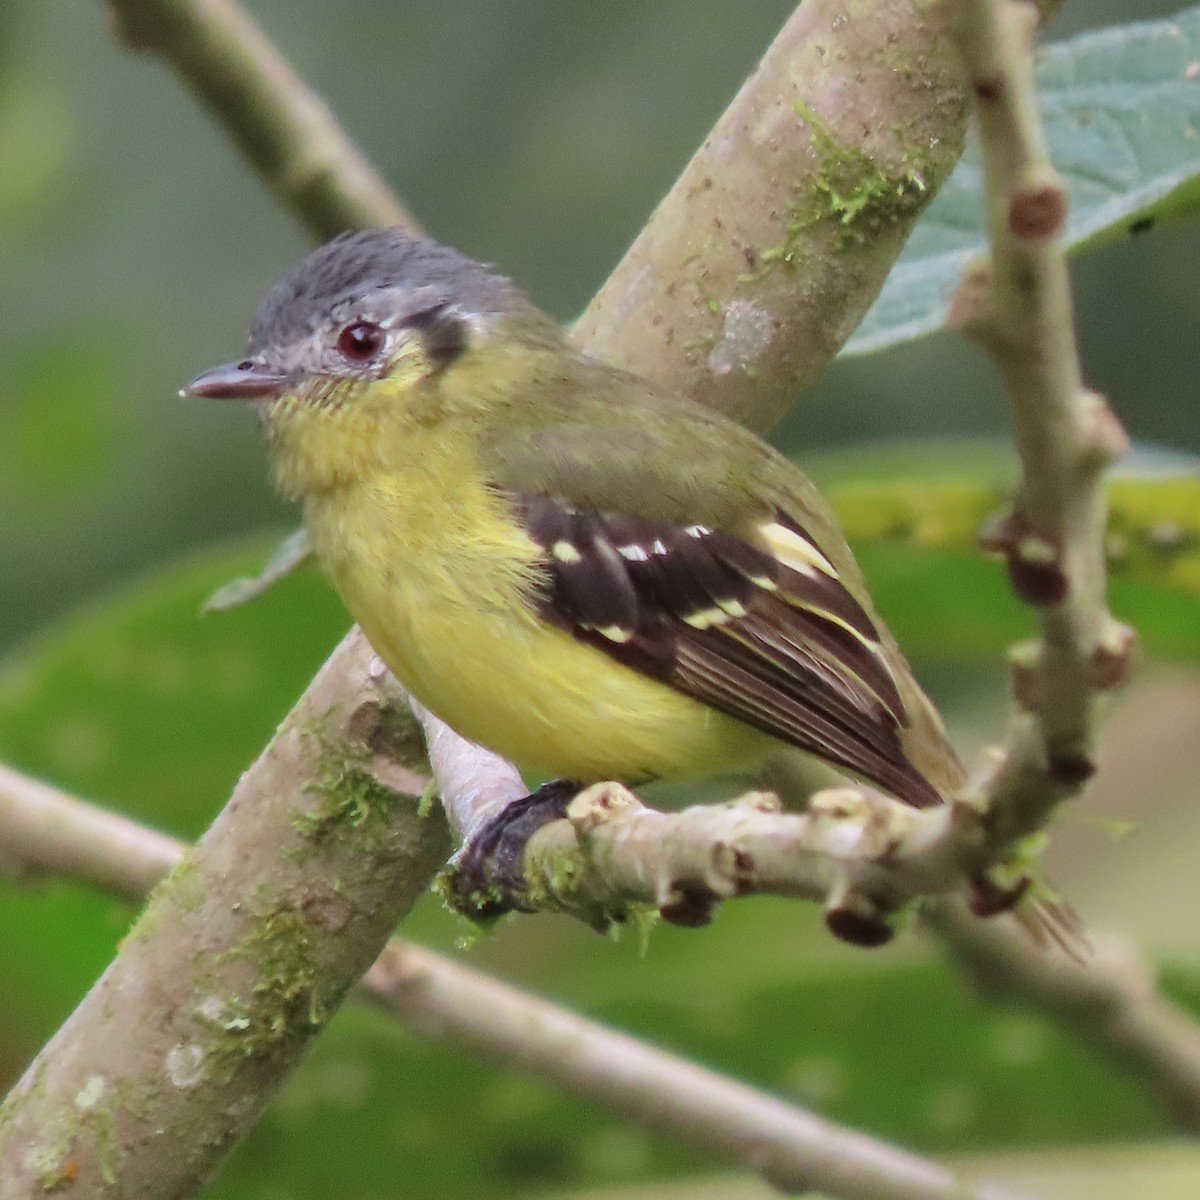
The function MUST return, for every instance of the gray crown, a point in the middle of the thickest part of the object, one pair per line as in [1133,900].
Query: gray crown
[356,264]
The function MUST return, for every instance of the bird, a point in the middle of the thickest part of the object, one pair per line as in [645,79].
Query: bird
[595,576]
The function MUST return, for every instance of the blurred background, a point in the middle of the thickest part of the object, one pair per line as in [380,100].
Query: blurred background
[538,136]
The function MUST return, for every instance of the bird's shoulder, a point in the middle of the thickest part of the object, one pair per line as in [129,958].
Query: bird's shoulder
[604,440]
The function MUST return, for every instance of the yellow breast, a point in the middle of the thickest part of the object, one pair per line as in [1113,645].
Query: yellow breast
[440,578]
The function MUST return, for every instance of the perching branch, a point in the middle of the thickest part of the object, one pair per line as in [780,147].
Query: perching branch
[858,852]
[46,832]
[286,132]
[1018,307]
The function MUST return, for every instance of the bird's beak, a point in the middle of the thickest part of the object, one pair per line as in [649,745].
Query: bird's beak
[246,380]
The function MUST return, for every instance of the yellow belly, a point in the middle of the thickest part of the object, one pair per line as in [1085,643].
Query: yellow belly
[441,593]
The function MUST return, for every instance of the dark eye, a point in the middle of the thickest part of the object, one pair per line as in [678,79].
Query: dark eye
[361,341]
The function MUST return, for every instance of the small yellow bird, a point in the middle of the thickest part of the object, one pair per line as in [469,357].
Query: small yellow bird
[595,577]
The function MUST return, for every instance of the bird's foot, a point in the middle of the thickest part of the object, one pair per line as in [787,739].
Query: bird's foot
[488,879]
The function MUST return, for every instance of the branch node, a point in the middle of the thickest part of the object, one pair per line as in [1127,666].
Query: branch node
[1039,209]
[989,90]
[731,869]
[987,898]
[853,916]
[763,802]
[1038,581]
[690,910]
[1104,437]
[1025,667]
[1115,656]
[1034,560]
[1070,770]
[600,803]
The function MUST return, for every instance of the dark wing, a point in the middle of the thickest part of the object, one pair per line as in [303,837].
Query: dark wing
[764,632]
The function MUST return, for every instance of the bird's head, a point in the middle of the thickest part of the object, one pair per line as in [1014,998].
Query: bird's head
[373,332]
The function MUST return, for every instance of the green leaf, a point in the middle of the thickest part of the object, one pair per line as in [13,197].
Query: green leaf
[63,423]
[143,702]
[290,554]
[1121,108]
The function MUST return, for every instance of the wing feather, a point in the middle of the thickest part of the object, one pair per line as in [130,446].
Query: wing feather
[759,628]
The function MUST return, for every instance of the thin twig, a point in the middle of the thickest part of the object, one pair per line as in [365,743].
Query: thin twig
[285,131]
[47,831]
[1018,307]
[796,1151]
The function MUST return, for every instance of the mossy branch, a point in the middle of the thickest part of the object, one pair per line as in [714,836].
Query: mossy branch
[762,259]
[240,957]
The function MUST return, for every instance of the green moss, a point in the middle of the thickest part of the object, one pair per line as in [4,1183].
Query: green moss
[483,907]
[95,1103]
[283,1000]
[556,877]
[556,872]
[851,189]
[350,800]
[181,888]
[429,797]
[552,877]
[643,920]
[52,1161]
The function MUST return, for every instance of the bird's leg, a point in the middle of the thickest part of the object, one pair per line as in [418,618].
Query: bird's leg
[489,876]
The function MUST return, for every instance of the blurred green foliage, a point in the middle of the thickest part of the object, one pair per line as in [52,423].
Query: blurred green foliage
[538,135]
